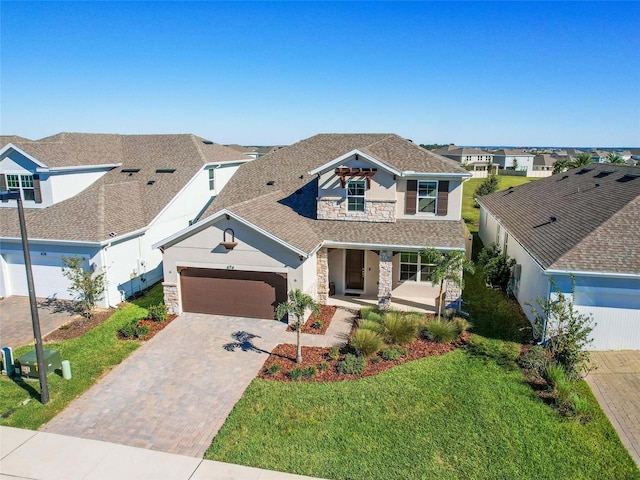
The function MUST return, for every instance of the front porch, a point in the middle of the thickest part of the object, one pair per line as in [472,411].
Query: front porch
[422,305]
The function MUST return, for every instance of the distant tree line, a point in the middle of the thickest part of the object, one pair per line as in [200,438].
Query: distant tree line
[434,146]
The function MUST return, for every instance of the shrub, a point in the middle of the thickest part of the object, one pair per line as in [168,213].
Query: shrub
[488,253]
[317,325]
[580,407]
[142,331]
[366,342]
[461,324]
[398,329]
[273,369]
[334,353]
[534,359]
[366,312]
[309,372]
[443,331]
[295,374]
[158,313]
[324,366]
[392,353]
[370,325]
[502,351]
[561,385]
[129,330]
[489,185]
[352,365]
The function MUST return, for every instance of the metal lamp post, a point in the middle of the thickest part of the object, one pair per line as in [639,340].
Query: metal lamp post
[35,319]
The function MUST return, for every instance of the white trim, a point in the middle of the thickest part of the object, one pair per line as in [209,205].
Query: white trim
[377,246]
[327,166]
[441,176]
[213,218]
[12,146]
[551,272]
[228,162]
[46,241]
[223,266]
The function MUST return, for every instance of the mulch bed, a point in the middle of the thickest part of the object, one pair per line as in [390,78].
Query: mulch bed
[325,316]
[155,327]
[285,355]
[80,326]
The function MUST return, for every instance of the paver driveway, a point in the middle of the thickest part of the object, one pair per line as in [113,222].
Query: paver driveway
[174,393]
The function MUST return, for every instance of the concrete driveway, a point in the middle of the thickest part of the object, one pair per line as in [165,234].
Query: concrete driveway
[16,327]
[616,385]
[174,393]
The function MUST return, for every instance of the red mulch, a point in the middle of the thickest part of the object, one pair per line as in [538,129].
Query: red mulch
[79,326]
[325,316]
[155,327]
[285,355]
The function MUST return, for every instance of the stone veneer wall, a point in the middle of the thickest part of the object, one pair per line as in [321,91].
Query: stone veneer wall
[323,275]
[171,298]
[385,279]
[334,208]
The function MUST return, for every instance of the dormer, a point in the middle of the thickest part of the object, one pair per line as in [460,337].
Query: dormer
[356,187]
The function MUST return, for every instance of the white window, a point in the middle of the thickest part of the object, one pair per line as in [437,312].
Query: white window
[355,195]
[427,196]
[212,179]
[414,268]
[23,184]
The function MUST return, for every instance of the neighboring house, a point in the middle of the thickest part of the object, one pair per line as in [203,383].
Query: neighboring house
[107,198]
[473,159]
[543,164]
[335,213]
[583,222]
[514,159]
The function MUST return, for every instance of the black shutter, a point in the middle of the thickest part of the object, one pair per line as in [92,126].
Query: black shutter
[443,197]
[411,197]
[37,194]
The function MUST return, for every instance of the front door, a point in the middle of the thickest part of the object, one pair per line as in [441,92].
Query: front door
[355,269]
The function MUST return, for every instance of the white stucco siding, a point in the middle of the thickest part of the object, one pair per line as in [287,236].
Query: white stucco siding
[488,227]
[382,185]
[454,204]
[308,281]
[336,269]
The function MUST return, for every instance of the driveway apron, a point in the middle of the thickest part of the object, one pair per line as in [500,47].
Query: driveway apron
[174,393]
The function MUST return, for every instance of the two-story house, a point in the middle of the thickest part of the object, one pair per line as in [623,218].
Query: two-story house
[514,159]
[475,159]
[332,214]
[106,198]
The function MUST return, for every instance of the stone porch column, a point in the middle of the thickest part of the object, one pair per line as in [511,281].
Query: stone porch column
[385,279]
[323,275]
[171,298]
[452,294]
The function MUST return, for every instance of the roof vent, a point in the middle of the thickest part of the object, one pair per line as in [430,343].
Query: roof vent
[271,182]
[597,184]
[130,171]
[113,234]
[151,182]
[628,177]
[207,142]
[604,173]
[583,171]
[564,177]
[165,170]
[552,218]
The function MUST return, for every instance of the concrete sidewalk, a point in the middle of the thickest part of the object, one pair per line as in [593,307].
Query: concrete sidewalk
[26,454]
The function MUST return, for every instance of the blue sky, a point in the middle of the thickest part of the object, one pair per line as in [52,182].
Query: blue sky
[471,73]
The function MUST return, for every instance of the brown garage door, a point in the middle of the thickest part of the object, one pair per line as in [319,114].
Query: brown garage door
[232,292]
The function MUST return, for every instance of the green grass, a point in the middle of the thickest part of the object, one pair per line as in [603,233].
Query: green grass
[152,296]
[91,356]
[470,213]
[448,417]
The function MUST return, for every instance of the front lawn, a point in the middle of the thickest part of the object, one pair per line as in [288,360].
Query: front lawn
[91,356]
[451,416]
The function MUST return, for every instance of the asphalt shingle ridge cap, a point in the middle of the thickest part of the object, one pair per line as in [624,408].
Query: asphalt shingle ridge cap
[275,193]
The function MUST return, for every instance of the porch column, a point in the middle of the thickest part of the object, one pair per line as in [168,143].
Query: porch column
[451,295]
[322,287]
[171,298]
[385,279]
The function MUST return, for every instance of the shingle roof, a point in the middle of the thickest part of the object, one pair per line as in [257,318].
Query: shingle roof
[117,202]
[511,152]
[545,159]
[597,218]
[287,209]
[461,151]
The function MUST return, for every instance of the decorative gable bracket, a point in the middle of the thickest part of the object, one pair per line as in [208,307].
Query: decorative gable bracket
[347,173]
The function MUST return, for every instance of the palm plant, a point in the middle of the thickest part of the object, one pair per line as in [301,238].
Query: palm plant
[447,267]
[296,306]
[582,160]
[561,165]
[615,159]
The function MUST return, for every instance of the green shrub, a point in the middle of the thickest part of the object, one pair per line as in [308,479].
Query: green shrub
[158,313]
[443,331]
[366,342]
[317,325]
[462,325]
[295,374]
[580,407]
[370,325]
[324,366]
[534,359]
[554,374]
[488,185]
[398,329]
[309,372]
[334,353]
[129,329]
[563,391]
[500,350]
[352,365]
[366,312]
[273,369]
[392,353]
[142,331]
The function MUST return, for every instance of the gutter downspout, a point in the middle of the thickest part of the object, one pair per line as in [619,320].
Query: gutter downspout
[105,267]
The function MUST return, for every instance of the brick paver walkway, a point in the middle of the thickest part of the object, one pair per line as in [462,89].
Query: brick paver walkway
[174,393]
[616,385]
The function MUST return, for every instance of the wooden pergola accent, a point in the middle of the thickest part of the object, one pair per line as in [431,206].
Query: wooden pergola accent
[351,172]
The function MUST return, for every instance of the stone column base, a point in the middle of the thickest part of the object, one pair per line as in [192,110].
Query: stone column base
[171,298]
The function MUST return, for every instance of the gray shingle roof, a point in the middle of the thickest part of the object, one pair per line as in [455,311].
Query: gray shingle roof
[511,152]
[597,211]
[116,202]
[287,209]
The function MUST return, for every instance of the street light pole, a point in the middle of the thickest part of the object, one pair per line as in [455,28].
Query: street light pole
[35,319]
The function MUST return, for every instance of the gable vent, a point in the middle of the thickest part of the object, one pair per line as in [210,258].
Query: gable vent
[165,170]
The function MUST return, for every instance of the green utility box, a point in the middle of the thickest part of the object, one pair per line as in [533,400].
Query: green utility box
[27,364]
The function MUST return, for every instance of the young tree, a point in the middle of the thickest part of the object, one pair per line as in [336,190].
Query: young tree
[86,285]
[489,185]
[447,267]
[564,332]
[298,303]
[496,266]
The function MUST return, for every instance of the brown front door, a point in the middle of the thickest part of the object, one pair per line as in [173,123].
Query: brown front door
[355,269]
[232,292]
